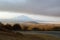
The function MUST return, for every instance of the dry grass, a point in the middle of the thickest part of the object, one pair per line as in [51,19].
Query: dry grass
[19,36]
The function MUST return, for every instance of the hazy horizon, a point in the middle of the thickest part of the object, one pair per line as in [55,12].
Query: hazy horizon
[42,10]
[24,16]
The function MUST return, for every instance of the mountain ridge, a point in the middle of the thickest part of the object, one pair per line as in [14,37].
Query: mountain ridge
[19,19]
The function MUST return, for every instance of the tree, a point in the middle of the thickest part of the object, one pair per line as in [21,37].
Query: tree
[1,26]
[16,27]
[8,26]
[25,28]
[36,29]
[56,29]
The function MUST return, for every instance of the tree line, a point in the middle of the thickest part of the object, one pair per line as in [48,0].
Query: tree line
[17,27]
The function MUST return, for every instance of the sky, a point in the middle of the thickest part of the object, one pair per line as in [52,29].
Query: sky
[47,10]
[10,15]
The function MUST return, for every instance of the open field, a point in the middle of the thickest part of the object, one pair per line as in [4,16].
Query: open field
[53,33]
[20,36]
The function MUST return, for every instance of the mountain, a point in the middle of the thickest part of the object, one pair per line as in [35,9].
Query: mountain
[19,19]
[22,18]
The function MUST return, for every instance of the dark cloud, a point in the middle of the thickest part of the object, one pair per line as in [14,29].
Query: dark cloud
[39,7]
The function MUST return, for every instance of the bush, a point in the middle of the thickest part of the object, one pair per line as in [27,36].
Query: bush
[17,27]
[56,29]
[36,29]
[8,26]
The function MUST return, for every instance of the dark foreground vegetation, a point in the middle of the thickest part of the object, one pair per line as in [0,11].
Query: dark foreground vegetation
[17,27]
[7,32]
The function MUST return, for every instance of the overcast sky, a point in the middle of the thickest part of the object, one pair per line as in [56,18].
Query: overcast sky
[39,7]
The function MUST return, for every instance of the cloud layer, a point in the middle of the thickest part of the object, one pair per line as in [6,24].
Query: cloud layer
[39,7]
[39,18]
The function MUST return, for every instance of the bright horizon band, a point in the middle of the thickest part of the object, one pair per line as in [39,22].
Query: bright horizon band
[9,15]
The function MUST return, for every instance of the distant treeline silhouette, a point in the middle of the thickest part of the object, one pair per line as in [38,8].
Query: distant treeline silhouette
[8,27]
[17,27]
[56,28]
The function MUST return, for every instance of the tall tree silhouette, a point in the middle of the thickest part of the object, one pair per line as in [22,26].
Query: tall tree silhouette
[16,27]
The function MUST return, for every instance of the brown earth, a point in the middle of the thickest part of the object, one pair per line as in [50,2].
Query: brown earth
[20,36]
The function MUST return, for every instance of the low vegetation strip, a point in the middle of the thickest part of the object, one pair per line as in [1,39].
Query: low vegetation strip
[20,27]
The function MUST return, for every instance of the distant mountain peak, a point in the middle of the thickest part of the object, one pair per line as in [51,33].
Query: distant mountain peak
[23,18]
[19,19]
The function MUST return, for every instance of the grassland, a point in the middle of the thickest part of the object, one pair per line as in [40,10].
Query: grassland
[20,36]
